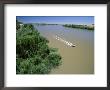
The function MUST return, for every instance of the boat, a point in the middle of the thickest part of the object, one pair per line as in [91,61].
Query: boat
[64,41]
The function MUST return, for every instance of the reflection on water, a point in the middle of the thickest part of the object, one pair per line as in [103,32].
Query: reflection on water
[75,60]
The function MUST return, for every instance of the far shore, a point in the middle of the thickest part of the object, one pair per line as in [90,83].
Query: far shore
[79,26]
[88,27]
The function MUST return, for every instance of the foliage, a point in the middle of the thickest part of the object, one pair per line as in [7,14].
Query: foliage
[79,26]
[18,24]
[33,55]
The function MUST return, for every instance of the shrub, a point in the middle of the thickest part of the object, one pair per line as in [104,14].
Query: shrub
[33,55]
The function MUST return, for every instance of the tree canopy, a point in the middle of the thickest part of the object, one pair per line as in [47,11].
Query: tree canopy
[33,55]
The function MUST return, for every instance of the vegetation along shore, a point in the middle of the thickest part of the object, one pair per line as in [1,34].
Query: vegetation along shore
[88,27]
[33,55]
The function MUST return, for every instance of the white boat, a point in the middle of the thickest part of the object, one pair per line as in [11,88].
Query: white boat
[64,41]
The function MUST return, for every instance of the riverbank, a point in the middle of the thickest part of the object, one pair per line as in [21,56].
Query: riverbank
[88,27]
[33,55]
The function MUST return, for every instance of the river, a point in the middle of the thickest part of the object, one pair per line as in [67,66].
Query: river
[75,60]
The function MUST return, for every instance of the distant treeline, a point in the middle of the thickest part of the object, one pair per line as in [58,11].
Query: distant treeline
[33,55]
[90,27]
[43,24]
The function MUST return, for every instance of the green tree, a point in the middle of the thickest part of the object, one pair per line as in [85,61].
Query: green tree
[33,55]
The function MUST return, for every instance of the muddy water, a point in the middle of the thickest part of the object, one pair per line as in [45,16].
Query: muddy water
[75,60]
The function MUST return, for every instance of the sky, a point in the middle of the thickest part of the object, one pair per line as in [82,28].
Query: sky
[57,19]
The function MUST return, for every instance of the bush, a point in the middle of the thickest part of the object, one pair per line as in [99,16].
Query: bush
[33,55]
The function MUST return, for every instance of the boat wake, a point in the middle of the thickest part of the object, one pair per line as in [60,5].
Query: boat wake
[64,41]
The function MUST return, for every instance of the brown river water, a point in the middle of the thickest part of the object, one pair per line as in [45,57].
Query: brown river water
[75,60]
